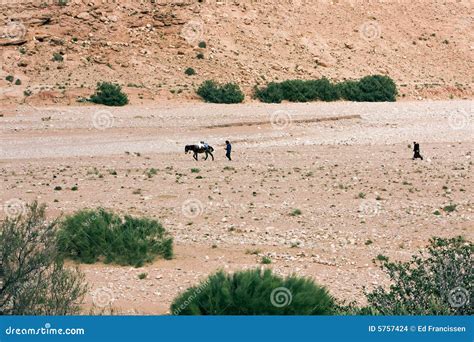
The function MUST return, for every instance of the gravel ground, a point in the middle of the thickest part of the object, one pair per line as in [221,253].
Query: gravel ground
[346,166]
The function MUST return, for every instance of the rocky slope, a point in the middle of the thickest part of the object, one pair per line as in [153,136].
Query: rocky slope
[60,51]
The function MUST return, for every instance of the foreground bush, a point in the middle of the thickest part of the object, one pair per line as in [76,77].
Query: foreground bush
[212,92]
[439,283]
[109,94]
[93,235]
[374,88]
[33,279]
[254,292]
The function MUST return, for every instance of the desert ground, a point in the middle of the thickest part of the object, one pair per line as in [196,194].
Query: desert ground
[346,167]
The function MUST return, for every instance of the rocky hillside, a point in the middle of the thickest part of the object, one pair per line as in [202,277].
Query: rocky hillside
[60,50]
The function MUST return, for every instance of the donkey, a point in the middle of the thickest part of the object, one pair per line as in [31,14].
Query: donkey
[199,149]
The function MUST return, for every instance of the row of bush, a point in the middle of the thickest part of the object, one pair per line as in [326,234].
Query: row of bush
[34,281]
[375,88]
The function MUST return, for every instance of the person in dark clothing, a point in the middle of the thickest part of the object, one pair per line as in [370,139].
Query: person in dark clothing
[228,149]
[416,151]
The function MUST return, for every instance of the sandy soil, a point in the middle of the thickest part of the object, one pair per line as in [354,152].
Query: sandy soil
[346,166]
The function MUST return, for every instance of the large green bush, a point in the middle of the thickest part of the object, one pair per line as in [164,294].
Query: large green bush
[254,292]
[100,235]
[33,278]
[374,88]
[439,282]
[213,92]
[109,94]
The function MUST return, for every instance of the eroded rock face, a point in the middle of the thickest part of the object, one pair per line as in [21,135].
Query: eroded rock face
[153,44]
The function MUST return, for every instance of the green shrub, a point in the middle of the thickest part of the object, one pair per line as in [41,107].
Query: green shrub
[99,235]
[439,283]
[200,55]
[109,94]
[375,88]
[18,82]
[210,91]
[33,279]
[450,208]
[371,89]
[57,57]
[296,212]
[254,292]
[202,45]
[272,93]
[9,78]
[190,72]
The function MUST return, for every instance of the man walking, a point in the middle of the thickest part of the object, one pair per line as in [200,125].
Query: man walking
[228,149]
[416,151]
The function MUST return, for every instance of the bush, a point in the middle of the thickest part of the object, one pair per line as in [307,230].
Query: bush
[190,71]
[375,88]
[371,89]
[210,91]
[93,235]
[33,279]
[9,78]
[254,292]
[57,57]
[440,283]
[202,45]
[200,55]
[109,94]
